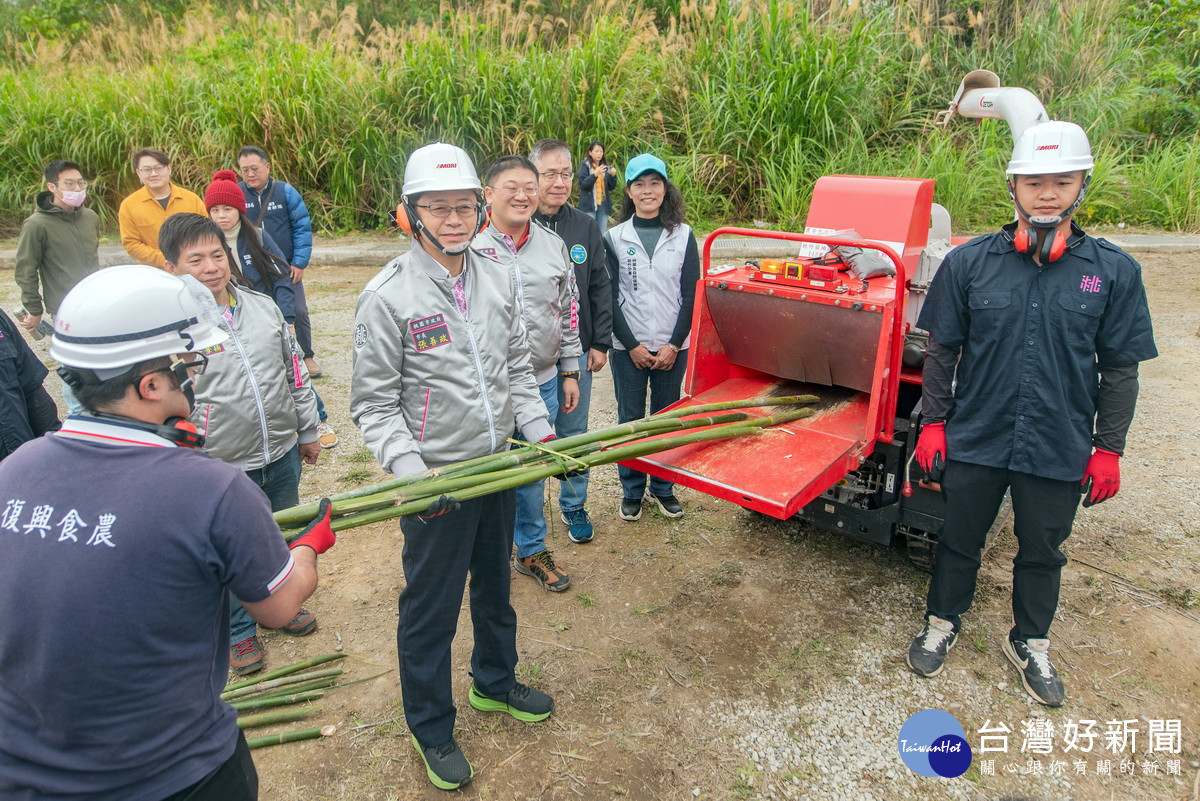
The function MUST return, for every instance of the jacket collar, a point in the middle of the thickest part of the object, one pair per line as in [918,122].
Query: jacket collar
[109,432]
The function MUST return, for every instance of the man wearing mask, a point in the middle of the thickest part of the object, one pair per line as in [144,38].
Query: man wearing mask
[59,246]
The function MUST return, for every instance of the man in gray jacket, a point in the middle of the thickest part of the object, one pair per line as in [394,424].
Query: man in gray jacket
[256,407]
[544,286]
[441,374]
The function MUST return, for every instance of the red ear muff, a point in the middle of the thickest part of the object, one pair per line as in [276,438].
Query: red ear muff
[1054,245]
[404,220]
[182,432]
[485,217]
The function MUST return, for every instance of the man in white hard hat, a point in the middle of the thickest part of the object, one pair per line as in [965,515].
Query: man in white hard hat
[441,374]
[1029,385]
[119,546]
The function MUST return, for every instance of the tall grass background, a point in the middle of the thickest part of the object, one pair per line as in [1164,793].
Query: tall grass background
[748,103]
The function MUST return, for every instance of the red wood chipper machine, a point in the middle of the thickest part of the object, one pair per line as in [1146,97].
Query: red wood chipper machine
[796,327]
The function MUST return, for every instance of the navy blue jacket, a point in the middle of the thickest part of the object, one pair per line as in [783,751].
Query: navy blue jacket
[285,218]
[1033,341]
[281,290]
[587,181]
[26,409]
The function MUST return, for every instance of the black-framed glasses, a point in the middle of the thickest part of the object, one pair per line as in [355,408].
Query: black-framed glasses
[465,211]
[193,368]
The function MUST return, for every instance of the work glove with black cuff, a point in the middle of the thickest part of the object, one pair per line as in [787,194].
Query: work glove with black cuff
[572,473]
[319,534]
[1101,478]
[443,505]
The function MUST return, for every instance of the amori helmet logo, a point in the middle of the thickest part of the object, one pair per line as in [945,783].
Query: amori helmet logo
[453,166]
[1047,147]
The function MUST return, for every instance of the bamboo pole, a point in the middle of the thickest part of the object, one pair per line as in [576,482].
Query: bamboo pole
[275,700]
[284,737]
[276,716]
[295,678]
[286,670]
[315,684]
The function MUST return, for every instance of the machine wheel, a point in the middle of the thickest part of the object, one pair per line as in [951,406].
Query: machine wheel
[922,545]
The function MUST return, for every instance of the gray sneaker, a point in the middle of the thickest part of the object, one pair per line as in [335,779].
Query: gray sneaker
[1032,658]
[631,509]
[927,654]
[445,765]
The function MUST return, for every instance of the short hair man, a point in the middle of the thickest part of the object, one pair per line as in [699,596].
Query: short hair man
[256,407]
[59,246]
[142,213]
[544,287]
[1030,382]
[592,307]
[121,544]
[441,374]
[277,208]
[26,409]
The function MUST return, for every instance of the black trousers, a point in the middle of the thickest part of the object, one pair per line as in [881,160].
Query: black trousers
[1043,513]
[235,780]
[437,556]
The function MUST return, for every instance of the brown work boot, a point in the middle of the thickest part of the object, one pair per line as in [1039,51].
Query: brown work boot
[246,657]
[541,566]
[314,370]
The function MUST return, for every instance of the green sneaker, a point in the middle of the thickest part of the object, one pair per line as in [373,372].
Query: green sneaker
[448,769]
[523,703]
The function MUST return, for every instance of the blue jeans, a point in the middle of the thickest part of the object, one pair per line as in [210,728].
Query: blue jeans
[530,531]
[320,413]
[601,218]
[572,493]
[630,383]
[280,481]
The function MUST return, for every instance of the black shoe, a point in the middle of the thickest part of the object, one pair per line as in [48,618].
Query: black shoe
[523,703]
[631,509]
[448,769]
[669,505]
[927,654]
[1032,658]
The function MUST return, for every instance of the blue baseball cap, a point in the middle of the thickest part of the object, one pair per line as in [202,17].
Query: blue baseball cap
[640,165]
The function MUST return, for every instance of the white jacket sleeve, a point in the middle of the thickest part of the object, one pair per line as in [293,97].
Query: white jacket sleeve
[375,384]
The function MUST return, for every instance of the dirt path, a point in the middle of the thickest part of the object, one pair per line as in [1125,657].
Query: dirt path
[681,641]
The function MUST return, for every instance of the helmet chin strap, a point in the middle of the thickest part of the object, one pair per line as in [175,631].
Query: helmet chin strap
[1046,225]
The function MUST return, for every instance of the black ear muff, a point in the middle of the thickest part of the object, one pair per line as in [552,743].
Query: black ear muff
[484,217]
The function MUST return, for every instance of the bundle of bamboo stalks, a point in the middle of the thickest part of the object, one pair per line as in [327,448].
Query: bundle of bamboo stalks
[528,462]
[294,684]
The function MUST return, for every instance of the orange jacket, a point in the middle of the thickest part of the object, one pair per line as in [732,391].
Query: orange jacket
[141,216]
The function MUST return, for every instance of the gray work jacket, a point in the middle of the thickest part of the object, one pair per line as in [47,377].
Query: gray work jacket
[430,386]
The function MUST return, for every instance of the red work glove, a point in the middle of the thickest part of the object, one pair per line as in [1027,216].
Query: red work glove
[319,535]
[931,448]
[1101,477]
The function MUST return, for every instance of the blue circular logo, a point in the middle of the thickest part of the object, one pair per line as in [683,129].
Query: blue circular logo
[933,743]
[578,254]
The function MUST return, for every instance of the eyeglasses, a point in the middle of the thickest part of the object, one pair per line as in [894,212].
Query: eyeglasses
[194,368]
[252,170]
[510,190]
[466,211]
[552,176]
[72,186]
[155,170]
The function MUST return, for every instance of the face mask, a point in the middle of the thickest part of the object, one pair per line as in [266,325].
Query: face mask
[74,199]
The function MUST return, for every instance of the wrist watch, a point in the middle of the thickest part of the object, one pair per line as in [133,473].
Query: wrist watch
[570,374]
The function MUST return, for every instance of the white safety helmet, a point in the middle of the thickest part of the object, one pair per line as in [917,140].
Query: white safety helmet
[1051,148]
[120,316]
[439,167]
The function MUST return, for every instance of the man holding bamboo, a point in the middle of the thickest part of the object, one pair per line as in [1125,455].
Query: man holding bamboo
[120,543]
[442,374]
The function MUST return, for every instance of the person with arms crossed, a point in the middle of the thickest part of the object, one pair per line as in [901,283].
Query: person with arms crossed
[592,307]
[441,374]
[1029,386]
[120,543]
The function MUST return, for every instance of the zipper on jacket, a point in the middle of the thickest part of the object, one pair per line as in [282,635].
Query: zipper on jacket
[258,401]
[487,402]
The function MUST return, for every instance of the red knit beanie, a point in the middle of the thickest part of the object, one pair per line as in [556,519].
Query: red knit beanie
[224,191]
